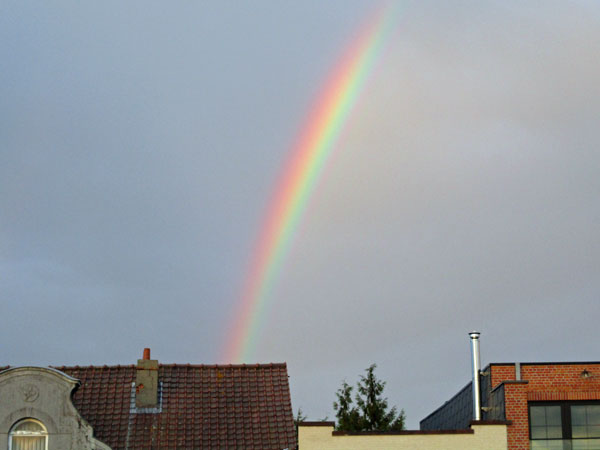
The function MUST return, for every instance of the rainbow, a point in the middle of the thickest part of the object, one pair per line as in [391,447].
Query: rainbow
[308,158]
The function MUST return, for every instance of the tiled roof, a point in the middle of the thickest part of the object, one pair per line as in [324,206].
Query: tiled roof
[203,407]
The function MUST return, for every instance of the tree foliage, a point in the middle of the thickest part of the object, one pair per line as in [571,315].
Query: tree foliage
[348,416]
[300,417]
[371,411]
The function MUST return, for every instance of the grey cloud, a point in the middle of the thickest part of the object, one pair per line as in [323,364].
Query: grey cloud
[138,147]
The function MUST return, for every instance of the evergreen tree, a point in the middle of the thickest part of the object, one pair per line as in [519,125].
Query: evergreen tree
[371,413]
[348,417]
[374,407]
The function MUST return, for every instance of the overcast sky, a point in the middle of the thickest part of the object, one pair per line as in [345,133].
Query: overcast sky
[140,141]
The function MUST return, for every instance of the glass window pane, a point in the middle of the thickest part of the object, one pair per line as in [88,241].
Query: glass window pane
[586,444]
[28,435]
[553,415]
[546,422]
[28,425]
[28,443]
[585,420]
[578,415]
[537,415]
[593,414]
[556,444]
[554,432]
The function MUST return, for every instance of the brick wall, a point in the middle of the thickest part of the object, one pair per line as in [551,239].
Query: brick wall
[542,382]
[501,372]
[515,398]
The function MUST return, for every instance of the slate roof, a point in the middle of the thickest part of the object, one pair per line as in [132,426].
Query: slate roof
[202,407]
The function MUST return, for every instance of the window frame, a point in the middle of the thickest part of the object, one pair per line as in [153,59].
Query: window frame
[12,433]
[565,415]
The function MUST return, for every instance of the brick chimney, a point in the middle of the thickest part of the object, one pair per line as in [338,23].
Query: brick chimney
[146,382]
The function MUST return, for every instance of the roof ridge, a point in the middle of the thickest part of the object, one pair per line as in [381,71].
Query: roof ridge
[91,366]
[210,366]
[220,366]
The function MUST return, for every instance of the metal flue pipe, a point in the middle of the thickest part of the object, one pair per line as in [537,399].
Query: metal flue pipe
[474,335]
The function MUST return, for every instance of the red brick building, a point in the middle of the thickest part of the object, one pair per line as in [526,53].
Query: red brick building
[548,405]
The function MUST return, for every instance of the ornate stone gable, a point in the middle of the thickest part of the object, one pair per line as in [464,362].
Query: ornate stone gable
[44,394]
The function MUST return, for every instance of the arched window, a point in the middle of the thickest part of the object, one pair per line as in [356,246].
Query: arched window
[28,434]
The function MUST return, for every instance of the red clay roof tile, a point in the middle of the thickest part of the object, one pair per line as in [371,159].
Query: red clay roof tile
[203,407]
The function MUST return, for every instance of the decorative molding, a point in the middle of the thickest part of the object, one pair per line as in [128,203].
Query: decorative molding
[563,395]
[30,392]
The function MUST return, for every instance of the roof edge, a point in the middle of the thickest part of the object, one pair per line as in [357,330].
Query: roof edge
[546,363]
[491,422]
[464,388]
[313,423]
[400,433]
[50,370]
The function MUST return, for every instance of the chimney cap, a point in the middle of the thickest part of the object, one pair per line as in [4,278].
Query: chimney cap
[474,334]
[146,353]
